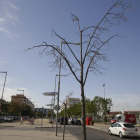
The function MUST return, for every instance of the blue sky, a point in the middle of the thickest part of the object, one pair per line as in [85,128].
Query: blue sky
[24,24]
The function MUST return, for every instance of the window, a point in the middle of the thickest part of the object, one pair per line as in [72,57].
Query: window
[115,125]
[129,125]
[119,125]
[114,118]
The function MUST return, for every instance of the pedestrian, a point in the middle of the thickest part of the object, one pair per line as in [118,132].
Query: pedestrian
[32,121]
[21,120]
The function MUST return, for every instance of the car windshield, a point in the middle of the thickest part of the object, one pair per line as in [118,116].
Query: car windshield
[115,118]
[129,125]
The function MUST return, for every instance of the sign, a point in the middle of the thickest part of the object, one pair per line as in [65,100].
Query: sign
[57,107]
[131,119]
[50,93]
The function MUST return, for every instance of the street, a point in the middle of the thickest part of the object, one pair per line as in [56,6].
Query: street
[15,131]
[92,134]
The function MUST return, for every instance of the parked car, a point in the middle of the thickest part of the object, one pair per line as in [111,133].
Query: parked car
[131,118]
[123,129]
[70,119]
[8,119]
[1,118]
[58,119]
[62,120]
[15,118]
[75,122]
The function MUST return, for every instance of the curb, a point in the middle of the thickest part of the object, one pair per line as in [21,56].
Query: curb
[46,127]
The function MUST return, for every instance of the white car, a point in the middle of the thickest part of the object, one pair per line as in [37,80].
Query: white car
[8,119]
[70,119]
[123,129]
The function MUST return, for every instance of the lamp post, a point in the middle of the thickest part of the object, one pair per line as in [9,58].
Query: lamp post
[57,98]
[104,90]
[59,80]
[3,88]
[123,110]
[127,108]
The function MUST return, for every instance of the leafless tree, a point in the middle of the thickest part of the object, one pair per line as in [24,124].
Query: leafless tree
[91,54]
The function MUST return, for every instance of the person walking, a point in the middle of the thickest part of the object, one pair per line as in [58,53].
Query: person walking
[32,121]
[21,120]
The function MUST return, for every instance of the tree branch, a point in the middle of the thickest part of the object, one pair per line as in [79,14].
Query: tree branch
[94,56]
[61,53]
[68,46]
[97,28]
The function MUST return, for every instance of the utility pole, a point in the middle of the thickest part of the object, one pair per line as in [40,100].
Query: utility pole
[104,90]
[3,88]
[58,91]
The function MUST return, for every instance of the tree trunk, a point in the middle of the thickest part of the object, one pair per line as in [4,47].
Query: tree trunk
[82,94]
[83,113]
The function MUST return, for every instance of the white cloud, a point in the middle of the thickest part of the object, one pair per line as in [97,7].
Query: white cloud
[132,99]
[2,20]
[126,101]
[4,30]
[8,92]
[12,5]
[9,17]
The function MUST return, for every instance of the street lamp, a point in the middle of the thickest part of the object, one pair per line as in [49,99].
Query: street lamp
[3,87]
[57,99]
[21,90]
[104,90]
[59,79]
[127,108]
[123,110]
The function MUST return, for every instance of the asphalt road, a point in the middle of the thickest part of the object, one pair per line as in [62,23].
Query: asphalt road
[92,134]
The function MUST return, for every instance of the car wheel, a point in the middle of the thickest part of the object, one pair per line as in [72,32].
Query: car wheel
[121,135]
[109,132]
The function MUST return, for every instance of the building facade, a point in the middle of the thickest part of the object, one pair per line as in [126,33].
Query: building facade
[70,102]
[45,110]
[20,98]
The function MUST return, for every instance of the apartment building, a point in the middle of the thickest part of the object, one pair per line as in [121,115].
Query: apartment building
[20,98]
[70,102]
[45,110]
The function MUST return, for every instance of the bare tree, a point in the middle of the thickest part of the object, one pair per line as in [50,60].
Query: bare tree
[91,54]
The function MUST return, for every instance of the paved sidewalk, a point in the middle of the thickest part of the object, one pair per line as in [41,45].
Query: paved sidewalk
[15,131]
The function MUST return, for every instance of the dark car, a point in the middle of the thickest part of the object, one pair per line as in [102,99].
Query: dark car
[62,120]
[58,119]
[75,122]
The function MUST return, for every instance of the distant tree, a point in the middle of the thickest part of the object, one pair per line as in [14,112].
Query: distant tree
[14,109]
[49,113]
[90,107]
[89,57]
